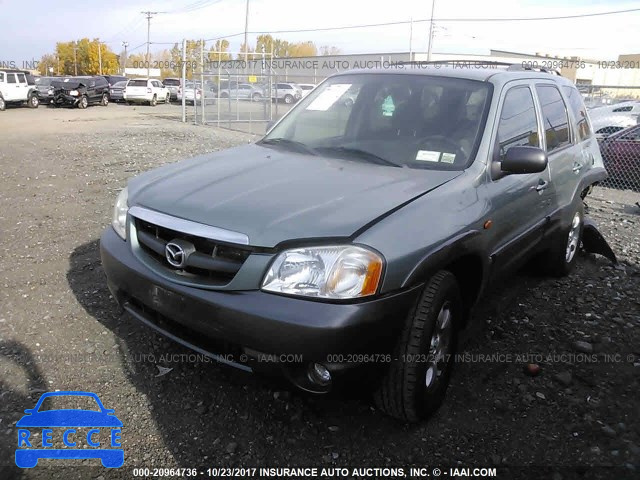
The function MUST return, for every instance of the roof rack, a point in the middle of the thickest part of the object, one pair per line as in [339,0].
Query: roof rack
[514,67]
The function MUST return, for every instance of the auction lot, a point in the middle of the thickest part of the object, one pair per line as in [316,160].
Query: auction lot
[59,329]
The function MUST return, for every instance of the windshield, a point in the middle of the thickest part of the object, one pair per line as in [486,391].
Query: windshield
[44,81]
[414,121]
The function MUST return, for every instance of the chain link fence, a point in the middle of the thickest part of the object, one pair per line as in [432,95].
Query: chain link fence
[615,117]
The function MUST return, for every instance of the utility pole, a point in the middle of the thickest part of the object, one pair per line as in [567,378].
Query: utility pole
[100,56]
[149,15]
[246,31]
[124,64]
[411,40]
[75,58]
[433,6]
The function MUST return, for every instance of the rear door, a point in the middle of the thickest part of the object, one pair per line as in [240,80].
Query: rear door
[519,202]
[566,160]
[22,86]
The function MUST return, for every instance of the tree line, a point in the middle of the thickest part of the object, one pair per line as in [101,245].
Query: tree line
[90,57]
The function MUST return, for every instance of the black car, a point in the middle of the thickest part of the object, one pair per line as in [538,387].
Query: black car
[80,92]
[113,79]
[45,89]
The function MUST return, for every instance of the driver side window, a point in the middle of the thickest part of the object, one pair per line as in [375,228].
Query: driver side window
[518,122]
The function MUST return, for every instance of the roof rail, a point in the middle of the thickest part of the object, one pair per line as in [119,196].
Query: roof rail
[514,67]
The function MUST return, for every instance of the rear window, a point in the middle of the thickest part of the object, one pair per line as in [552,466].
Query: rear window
[171,82]
[306,87]
[554,112]
[137,83]
[579,111]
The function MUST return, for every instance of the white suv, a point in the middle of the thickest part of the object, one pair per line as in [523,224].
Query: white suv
[142,90]
[14,89]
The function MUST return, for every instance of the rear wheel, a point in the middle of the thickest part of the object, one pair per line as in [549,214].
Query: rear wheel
[3,105]
[256,97]
[417,379]
[83,102]
[105,100]
[33,101]
[561,257]
[288,99]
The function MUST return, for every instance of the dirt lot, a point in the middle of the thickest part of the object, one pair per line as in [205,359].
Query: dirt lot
[59,329]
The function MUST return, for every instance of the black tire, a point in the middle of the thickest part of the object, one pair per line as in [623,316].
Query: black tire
[83,102]
[256,97]
[104,101]
[403,392]
[288,99]
[154,101]
[167,99]
[224,95]
[3,104]
[33,101]
[556,261]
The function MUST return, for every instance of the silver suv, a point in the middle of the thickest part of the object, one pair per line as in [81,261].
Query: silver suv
[286,92]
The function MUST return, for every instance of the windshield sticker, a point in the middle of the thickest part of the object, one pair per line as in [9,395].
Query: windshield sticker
[388,107]
[428,156]
[329,96]
[448,157]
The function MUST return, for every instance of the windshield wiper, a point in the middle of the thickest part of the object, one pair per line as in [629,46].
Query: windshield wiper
[359,153]
[289,143]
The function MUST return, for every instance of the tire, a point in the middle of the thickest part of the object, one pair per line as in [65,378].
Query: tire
[224,95]
[83,103]
[256,97]
[560,259]
[3,105]
[154,101]
[104,101]
[414,386]
[288,99]
[33,101]
[167,99]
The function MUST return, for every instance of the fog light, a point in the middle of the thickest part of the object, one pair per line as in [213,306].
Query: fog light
[319,374]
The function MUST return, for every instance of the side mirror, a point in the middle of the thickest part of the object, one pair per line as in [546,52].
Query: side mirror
[524,160]
[270,125]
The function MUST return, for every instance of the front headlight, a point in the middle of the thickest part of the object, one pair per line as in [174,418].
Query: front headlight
[120,210]
[334,272]
[74,93]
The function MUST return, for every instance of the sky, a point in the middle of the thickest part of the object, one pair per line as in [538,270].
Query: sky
[27,35]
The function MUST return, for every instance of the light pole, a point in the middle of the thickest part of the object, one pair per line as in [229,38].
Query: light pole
[75,58]
[100,56]
[124,64]
[433,6]
[246,31]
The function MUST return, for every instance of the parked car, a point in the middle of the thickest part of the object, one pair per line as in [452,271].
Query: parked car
[15,89]
[610,119]
[286,92]
[355,239]
[113,79]
[116,91]
[306,88]
[243,91]
[80,92]
[173,84]
[621,154]
[194,90]
[142,90]
[45,90]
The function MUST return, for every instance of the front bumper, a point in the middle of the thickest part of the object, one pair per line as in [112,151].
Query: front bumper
[258,328]
[64,100]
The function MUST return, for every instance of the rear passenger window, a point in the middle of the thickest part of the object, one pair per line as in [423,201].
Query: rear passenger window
[579,112]
[11,78]
[518,122]
[554,116]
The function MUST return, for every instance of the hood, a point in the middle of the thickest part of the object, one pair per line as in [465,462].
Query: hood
[275,195]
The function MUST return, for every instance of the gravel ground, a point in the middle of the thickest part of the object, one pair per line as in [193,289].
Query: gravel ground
[576,413]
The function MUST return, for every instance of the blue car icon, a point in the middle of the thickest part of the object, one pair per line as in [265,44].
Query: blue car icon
[27,455]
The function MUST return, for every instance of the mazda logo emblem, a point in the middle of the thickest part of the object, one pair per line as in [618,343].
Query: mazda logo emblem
[177,252]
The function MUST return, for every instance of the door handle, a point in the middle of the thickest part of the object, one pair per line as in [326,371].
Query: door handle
[542,186]
[577,167]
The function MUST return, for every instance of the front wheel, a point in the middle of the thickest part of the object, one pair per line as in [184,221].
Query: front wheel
[154,101]
[105,100]
[84,102]
[167,99]
[288,99]
[3,105]
[416,381]
[33,101]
